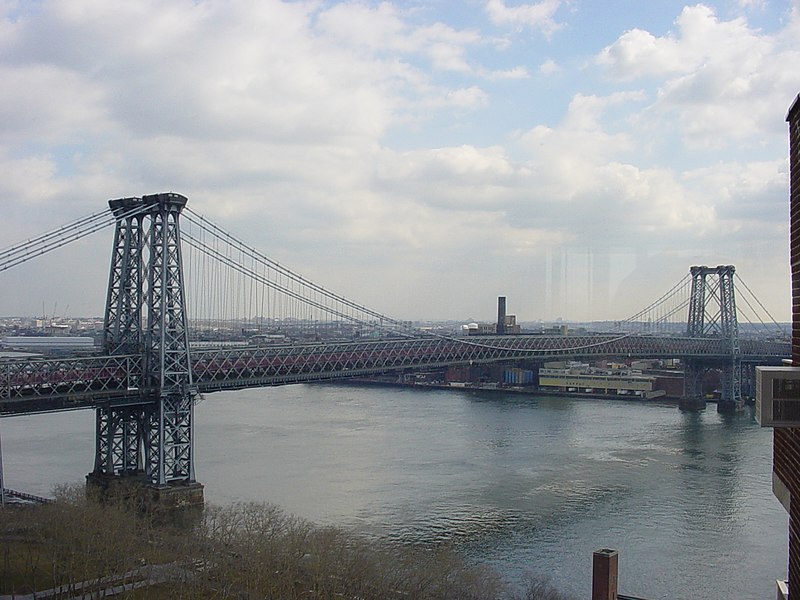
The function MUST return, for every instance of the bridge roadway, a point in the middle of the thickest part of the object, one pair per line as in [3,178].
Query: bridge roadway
[30,386]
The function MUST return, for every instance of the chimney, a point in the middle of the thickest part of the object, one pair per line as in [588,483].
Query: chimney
[605,565]
[501,315]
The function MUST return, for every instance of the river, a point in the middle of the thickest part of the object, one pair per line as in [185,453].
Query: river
[529,485]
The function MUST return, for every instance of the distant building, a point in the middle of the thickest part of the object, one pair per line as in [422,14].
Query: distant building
[511,327]
[556,330]
[48,344]
[480,328]
[518,377]
[580,377]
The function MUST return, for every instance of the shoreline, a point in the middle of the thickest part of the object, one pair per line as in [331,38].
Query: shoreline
[494,388]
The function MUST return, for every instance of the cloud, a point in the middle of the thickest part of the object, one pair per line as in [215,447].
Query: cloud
[587,183]
[753,4]
[286,123]
[538,15]
[721,81]
[50,104]
[383,30]
[549,67]
[702,39]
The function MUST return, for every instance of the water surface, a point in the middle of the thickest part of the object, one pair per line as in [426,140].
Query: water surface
[527,484]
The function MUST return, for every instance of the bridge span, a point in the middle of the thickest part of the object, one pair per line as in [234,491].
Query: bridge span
[144,385]
[45,385]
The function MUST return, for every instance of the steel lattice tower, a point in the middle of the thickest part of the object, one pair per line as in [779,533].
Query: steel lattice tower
[712,313]
[146,315]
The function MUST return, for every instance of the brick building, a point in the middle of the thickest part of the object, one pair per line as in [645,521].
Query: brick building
[786,440]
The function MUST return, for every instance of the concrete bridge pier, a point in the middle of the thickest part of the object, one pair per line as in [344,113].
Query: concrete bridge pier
[692,403]
[692,399]
[136,489]
[730,407]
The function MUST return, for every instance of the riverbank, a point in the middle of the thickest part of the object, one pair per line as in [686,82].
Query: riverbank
[79,547]
[502,389]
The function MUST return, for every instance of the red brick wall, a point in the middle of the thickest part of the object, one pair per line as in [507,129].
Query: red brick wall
[786,441]
[794,234]
[786,461]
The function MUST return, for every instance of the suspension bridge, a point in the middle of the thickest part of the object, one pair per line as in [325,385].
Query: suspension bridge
[180,288]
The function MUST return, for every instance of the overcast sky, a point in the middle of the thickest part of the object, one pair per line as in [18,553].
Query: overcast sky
[419,157]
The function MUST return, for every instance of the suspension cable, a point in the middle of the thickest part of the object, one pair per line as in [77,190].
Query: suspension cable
[209,227]
[247,271]
[22,252]
[672,292]
[749,291]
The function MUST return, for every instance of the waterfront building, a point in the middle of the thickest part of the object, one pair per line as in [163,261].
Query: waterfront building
[580,377]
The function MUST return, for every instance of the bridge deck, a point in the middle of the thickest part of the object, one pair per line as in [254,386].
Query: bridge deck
[60,384]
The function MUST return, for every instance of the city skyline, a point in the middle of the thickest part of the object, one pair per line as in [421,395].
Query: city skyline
[420,158]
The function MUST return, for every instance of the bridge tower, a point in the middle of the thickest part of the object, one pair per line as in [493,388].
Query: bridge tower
[712,314]
[149,441]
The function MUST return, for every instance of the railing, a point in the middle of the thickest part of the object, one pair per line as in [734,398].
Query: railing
[11,494]
[60,384]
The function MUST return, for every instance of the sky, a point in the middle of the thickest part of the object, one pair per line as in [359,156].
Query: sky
[418,157]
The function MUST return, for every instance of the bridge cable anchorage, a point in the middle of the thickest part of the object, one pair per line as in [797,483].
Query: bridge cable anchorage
[22,252]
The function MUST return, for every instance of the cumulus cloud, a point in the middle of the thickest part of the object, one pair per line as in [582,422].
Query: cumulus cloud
[721,80]
[539,15]
[702,40]
[753,4]
[549,67]
[513,73]
[287,122]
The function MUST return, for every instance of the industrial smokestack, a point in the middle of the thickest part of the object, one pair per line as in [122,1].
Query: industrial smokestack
[501,315]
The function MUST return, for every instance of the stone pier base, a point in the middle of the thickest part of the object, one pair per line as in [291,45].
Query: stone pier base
[730,408]
[177,496]
[136,489]
[694,403]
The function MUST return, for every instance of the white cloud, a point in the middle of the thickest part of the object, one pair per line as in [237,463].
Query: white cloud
[549,67]
[753,4]
[50,104]
[382,30]
[503,74]
[702,40]
[539,15]
[278,120]
[638,53]
[723,81]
